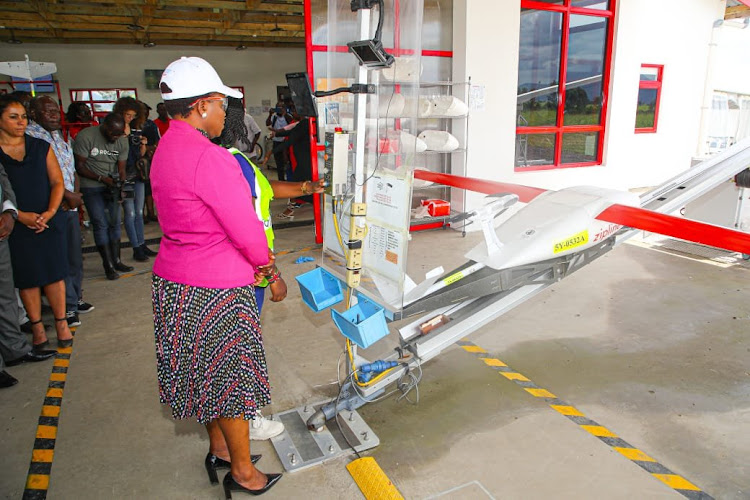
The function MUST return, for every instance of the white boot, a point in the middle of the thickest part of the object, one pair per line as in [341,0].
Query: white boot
[262,428]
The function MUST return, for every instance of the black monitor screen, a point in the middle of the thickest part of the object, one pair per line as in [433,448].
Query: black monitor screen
[301,93]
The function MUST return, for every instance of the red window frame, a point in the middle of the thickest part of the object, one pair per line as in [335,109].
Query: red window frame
[90,102]
[559,129]
[651,84]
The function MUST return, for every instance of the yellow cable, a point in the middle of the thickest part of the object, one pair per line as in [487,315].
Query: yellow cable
[338,233]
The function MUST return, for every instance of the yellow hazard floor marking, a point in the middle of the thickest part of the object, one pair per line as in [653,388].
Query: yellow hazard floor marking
[599,431]
[567,410]
[540,393]
[46,431]
[493,362]
[37,482]
[50,411]
[636,456]
[676,482]
[372,481]
[475,349]
[37,479]
[42,455]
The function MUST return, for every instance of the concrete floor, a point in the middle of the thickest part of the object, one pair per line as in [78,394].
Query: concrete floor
[653,346]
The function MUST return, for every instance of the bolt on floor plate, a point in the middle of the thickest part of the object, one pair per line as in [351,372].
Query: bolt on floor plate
[299,448]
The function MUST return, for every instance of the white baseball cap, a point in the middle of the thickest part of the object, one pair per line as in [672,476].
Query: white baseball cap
[192,77]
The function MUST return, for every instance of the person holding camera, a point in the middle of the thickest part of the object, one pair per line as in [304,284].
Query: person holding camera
[100,154]
[134,188]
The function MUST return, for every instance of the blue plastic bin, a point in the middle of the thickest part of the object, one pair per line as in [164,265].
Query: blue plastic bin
[320,289]
[364,324]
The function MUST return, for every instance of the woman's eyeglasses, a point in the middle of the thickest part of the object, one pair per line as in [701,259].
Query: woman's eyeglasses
[224,101]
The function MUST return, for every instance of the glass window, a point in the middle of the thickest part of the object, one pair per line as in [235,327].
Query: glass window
[539,68]
[533,150]
[646,114]
[560,127]
[590,4]
[580,148]
[583,81]
[649,74]
[103,95]
[101,101]
[649,94]
[103,107]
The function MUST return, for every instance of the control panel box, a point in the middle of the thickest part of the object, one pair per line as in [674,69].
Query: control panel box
[336,163]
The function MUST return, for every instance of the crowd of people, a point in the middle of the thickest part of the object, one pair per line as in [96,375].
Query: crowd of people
[195,164]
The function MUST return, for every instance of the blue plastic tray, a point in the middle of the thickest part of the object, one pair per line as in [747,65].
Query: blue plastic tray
[320,289]
[364,324]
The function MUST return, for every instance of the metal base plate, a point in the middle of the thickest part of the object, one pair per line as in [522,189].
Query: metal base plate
[299,448]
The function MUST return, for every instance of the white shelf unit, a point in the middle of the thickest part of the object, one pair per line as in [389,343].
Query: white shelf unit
[448,162]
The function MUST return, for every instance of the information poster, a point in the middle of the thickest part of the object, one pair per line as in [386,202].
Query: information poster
[388,200]
[384,251]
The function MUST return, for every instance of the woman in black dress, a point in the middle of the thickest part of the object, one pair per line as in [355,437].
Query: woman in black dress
[37,248]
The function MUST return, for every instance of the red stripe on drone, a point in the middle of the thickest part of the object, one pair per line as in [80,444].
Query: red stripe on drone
[525,193]
[676,227]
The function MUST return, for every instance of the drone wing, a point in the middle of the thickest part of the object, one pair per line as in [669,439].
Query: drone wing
[677,227]
[525,193]
[635,217]
[27,70]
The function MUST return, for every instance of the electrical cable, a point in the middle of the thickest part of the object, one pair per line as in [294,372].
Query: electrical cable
[381,14]
[338,424]
[415,380]
[379,150]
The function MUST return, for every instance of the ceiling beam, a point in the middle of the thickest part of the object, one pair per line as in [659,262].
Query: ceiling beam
[737,12]
[255,42]
[214,22]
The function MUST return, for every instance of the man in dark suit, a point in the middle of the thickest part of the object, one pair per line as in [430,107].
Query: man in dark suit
[14,348]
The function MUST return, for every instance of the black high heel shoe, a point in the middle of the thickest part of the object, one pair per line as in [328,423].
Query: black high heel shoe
[41,345]
[231,485]
[67,342]
[213,463]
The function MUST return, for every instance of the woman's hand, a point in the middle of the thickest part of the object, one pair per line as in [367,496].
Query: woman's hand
[317,186]
[43,219]
[267,269]
[33,221]
[278,290]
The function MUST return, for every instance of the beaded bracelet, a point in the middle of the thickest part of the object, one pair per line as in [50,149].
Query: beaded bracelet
[274,277]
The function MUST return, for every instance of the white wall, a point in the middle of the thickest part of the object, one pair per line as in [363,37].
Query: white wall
[665,32]
[259,71]
[485,48]
[732,65]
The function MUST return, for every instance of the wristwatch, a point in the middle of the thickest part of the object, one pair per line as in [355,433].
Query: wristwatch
[12,213]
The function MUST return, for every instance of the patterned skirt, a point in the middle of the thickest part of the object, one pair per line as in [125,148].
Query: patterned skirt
[209,351]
